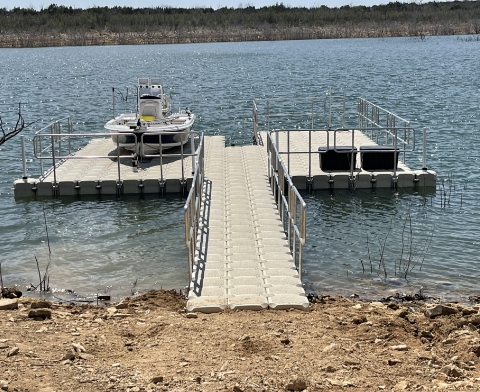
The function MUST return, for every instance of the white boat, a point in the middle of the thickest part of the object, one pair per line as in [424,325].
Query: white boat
[152,128]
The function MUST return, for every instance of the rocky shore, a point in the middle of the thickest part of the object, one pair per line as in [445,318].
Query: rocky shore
[148,343]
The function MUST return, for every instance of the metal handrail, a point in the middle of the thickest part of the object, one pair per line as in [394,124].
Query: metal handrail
[292,207]
[310,112]
[58,153]
[192,207]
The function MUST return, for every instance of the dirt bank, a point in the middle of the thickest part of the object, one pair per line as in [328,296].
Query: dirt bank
[148,343]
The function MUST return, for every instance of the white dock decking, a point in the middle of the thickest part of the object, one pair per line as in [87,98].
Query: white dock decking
[245,261]
[298,164]
[243,258]
[99,176]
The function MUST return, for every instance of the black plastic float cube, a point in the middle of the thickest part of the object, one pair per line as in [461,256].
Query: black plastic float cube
[379,157]
[337,158]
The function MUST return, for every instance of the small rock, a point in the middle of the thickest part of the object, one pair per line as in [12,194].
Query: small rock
[13,351]
[286,341]
[244,337]
[297,385]
[357,306]
[69,355]
[393,305]
[3,385]
[121,305]
[330,369]
[157,379]
[392,362]
[401,313]
[359,319]
[426,334]
[85,356]
[116,364]
[78,348]
[402,385]
[475,319]
[439,310]
[467,311]
[351,362]
[449,341]
[451,371]
[8,304]
[192,315]
[236,388]
[41,313]
[41,305]
[400,347]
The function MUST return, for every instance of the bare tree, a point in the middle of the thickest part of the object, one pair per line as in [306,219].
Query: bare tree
[19,127]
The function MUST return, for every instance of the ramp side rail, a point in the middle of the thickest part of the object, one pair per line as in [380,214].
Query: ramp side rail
[192,207]
[292,207]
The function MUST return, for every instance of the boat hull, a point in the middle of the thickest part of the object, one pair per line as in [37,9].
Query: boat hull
[150,142]
[147,138]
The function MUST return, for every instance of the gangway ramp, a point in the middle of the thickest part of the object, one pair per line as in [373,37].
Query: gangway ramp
[244,260]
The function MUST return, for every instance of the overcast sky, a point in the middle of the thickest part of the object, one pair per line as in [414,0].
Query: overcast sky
[38,4]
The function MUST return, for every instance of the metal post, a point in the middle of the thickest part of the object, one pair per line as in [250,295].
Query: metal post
[113,102]
[58,130]
[52,138]
[70,130]
[192,147]
[183,162]
[40,152]
[118,159]
[424,149]
[24,160]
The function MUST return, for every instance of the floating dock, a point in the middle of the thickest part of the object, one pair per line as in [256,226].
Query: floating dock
[245,221]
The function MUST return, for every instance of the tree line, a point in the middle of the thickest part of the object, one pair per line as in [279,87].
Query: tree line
[59,25]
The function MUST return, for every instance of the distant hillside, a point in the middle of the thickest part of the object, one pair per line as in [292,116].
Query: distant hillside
[67,26]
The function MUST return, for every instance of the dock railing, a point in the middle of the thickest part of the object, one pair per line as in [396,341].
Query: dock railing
[383,127]
[56,143]
[388,129]
[291,206]
[307,111]
[192,207]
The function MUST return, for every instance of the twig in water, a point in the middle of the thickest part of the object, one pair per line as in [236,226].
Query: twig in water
[39,275]
[46,228]
[133,286]
[1,277]
[369,256]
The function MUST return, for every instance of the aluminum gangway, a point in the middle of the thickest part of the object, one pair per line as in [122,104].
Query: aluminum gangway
[248,230]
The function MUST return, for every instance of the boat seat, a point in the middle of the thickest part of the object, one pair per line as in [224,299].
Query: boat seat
[148,112]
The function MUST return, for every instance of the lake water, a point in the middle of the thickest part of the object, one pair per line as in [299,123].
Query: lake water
[131,244]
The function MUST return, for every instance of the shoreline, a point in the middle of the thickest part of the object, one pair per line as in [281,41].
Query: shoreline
[147,343]
[99,38]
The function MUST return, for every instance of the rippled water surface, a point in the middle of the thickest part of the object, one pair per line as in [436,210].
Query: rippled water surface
[356,243]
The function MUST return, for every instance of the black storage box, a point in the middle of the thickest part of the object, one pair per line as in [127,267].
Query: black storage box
[379,157]
[337,160]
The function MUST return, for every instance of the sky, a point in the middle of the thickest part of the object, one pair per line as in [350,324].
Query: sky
[39,4]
